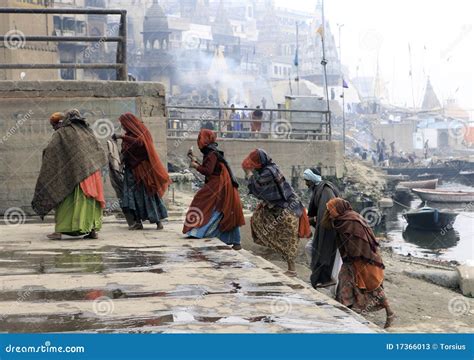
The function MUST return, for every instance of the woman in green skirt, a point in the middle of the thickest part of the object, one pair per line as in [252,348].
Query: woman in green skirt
[70,180]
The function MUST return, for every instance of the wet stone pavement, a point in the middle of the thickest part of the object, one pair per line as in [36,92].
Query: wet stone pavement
[153,281]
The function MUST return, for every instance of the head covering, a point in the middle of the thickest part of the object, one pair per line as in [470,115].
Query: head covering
[311,176]
[56,118]
[73,114]
[337,207]
[151,171]
[205,138]
[256,160]
[357,238]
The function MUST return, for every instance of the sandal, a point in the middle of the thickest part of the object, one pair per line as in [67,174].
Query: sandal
[291,273]
[54,236]
[237,247]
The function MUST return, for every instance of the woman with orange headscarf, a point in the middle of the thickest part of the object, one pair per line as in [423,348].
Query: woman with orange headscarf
[70,180]
[216,210]
[361,276]
[280,219]
[146,179]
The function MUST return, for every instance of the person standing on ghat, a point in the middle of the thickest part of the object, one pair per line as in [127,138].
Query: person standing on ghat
[216,209]
[322,248]
[70,180]
[145,179]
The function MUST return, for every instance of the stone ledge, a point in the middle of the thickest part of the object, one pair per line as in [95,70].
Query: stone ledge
[75,88]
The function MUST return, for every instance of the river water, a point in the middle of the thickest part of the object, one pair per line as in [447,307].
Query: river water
[456,244]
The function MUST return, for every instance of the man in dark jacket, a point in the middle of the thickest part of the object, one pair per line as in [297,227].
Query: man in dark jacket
[323,246]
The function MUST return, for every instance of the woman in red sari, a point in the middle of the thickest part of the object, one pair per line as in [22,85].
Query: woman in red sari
[146,179]
[216,210]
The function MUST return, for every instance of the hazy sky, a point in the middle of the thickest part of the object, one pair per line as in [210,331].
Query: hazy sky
[440,34]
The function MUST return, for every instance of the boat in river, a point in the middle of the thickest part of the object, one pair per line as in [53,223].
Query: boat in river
[420,184]
[428,218]
[445,196]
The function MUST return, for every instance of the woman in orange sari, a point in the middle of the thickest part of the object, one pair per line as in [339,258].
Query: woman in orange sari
[216,210]
[146,179]
[361,276]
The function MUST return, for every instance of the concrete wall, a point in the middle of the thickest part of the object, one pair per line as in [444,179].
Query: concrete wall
[401,133]
[286,153]
[25,108]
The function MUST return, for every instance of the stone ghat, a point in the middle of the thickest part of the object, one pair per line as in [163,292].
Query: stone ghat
[153,281]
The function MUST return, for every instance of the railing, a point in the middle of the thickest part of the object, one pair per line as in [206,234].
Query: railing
[121,58]
[239,123]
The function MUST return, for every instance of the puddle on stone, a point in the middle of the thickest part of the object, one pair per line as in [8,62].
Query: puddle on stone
[107,260]
[77,322]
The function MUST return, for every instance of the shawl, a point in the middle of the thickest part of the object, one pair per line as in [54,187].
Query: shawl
[72,154]
[317,191]
[219,193]
[269,185]
[151,171]
[358,241]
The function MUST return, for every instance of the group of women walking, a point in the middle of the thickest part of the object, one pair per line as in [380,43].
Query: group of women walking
[70,183]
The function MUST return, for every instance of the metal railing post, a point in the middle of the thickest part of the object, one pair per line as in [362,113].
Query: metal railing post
[122,72]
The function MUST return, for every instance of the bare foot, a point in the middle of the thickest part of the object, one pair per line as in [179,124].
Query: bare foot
[136,226]
[327,284]
[54,236]
[291,273]
[92,235]
[390,319]
[159,225]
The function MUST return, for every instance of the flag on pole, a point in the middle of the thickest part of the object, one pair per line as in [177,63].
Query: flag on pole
[320,30]
[296,61]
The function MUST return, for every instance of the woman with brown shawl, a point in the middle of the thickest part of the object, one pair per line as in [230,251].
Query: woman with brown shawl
[361,277]
[146,179]
[70,180]
[280,218]
[216,210]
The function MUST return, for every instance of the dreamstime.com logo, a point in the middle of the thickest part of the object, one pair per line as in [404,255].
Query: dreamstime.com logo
[372,215]
[281,129]
[14,216]
[41,349]
[370,40]
[459,306]
[194,217]
[280,307]
[103,128]
[14,39]
[191,40]
[103,306]
[458,129]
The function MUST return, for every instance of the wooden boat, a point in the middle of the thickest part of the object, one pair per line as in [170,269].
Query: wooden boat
[420,184]
[428,218]
[427,176]
[445,196]
[398,177]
